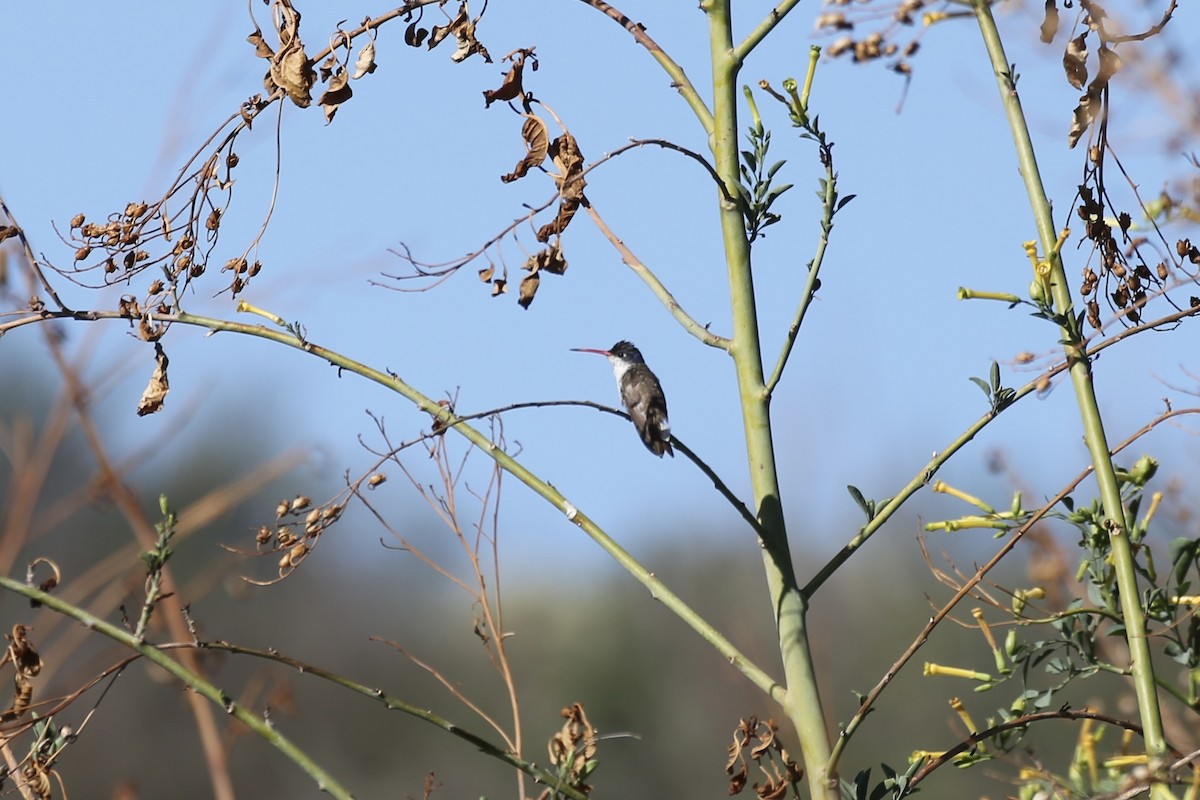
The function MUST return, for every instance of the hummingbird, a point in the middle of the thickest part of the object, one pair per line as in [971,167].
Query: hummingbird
[641,393]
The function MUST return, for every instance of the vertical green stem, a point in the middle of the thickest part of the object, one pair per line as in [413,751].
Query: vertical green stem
[1141,667]
[802,703]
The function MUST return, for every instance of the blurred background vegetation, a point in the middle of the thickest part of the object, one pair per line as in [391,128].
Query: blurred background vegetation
[581,632]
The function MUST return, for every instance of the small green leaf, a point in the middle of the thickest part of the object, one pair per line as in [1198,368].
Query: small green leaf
[983,387]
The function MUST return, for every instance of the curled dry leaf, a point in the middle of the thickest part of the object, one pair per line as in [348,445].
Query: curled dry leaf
[1049,22]
[157,388]
[365,63]
[414,35]
[510,88]
[261,48]
[50,582]
[22,653]
[570,181]
[486,273]
[528,289]
[564,151]
[569,161]
[1075,61]
[463,29]
[537,144]
[291,68]
[337,92]
[1085,112]
[499,286]
[1110,63]
[575,743]
[549,260]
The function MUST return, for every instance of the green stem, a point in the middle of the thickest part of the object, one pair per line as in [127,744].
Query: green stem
[679,78]
[773,18]
[325,781]
[802,702]
[1081,379]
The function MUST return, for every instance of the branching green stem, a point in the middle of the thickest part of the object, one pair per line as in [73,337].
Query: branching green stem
[802,703]
[1081,379]
[546,491]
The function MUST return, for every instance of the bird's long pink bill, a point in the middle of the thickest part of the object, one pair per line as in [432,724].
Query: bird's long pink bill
[590,350]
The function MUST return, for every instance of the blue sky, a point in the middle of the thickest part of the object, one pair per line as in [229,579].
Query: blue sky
[110,99]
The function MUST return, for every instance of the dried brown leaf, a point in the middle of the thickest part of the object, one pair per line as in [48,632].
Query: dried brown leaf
[291,68]
[440,32]
[337,92]
[261,48]
[328,67]
[528,289]
[499,286]
[1049,22]
[537,144]
[1084,114]
[1075,61]
[564,151]
[463,29]
[292,71]
[486,273]
[157,388]
[566,210]
[415,35]
[365,63]
[510,88]
[549,260]
[737,781]
[1110,63]
[22,653]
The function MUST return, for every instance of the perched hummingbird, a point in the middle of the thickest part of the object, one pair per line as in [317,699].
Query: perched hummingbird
[641,393]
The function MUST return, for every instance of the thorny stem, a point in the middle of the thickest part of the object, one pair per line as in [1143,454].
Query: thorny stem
[1141,666]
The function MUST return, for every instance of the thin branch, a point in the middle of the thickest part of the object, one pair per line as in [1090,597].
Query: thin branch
[760,32]
[1015,724]
[669,145]
[679,78]
[443,269]
[664,295]
[31,261]
[393,703]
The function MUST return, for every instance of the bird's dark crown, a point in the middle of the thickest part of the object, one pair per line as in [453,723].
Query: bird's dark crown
[627,351]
